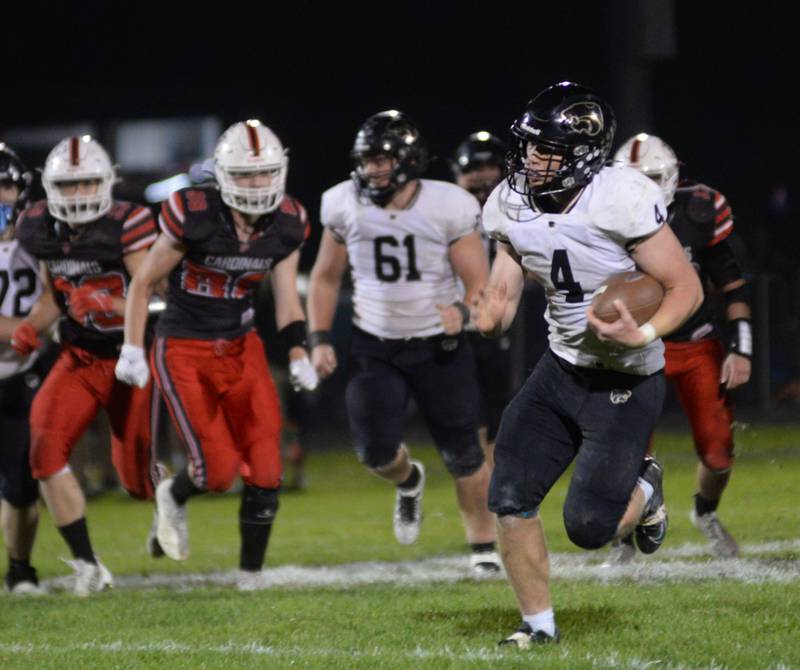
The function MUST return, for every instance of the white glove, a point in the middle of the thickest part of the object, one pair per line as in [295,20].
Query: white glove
[302,375]
[132,366]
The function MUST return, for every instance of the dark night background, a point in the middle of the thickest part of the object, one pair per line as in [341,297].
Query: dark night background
[715,82]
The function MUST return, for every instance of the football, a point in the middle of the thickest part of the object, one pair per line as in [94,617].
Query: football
[641,294]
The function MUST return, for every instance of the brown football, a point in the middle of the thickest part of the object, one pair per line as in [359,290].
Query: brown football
[641,294]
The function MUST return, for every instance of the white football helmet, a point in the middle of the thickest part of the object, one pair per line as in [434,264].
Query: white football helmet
[248,147]
[653,157]
[78,159]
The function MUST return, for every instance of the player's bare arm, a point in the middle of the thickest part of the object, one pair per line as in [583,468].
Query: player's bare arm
[497,304]
[662,257]
[288,308]
[148,273]
[469,261]
[323,295]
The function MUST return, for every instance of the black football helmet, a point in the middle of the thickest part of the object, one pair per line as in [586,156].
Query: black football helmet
[391,133]
[567,120]
[481,148]
[13,171]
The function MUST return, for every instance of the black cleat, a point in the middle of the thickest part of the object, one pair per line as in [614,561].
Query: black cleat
[652,527]
[525,636]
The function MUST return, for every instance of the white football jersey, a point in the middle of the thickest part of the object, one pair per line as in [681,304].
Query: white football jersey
[571,254]
[20,288]
[399,259]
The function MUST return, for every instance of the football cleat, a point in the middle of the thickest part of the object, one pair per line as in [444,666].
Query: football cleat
[173,530]
[652,527]
[90,577]
[525,636]
[485,564]
[622,552]
[23,581]
[722,543]
[408,509]
[154,549]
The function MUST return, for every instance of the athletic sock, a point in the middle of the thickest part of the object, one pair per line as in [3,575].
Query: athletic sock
[76,535]
[254,537]
[183,487]
[647,489]
[544,621]
[703,505]
[413,479]
[482,547]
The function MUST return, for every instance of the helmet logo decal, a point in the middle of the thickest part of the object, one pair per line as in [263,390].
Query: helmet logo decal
[74,153]
[530,129]
[584,117]
[253,137]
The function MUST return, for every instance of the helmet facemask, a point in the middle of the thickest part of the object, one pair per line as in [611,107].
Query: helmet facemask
[246,149]
[73,161]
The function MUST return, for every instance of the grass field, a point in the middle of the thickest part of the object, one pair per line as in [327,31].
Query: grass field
[677,609]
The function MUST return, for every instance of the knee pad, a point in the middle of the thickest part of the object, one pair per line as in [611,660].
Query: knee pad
[589,530]
[464,459]
[259,506]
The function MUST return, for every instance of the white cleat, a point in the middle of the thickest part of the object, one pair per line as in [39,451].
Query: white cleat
[485,564]
[154,549]
[173,531]
[722,543]
[408,509]
[90,577]
[25,589]
[248,580]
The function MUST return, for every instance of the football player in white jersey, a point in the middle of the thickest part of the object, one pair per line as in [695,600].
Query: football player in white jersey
[478,166]
[20,377]
[408,240]
[595,397]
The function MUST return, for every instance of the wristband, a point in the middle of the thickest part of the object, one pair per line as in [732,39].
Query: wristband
[294,334]
[461,307]
[649,333]
[741,337]
[318,337]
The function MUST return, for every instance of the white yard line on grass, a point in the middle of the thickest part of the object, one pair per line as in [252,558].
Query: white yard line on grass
[666,566]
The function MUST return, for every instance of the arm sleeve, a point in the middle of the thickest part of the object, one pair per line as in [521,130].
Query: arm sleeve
[331,214]
[139,230]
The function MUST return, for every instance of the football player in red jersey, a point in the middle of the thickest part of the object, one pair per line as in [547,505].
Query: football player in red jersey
[218,245]
[702,360]
[89,246]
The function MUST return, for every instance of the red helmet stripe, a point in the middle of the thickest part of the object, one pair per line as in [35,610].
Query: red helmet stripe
[74,153]
[253,136]
[634,157]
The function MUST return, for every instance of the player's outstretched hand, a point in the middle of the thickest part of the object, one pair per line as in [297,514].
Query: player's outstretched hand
[302,375]
[489,309]
[25,339]
[735,371]
[623,331]
[132,368]
[323,357]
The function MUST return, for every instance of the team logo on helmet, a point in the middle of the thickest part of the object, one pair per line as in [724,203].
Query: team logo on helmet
[585,118]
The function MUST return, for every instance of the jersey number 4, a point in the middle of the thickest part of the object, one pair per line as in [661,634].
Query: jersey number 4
[387,267]
[561,276]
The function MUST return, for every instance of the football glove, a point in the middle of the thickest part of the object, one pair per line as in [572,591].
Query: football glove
[84,300]
[132,366]
[302,375]
[25,339]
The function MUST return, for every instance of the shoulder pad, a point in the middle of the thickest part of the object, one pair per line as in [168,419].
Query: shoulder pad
[120,210]
[293,220]
[196,208]
[698,203]
[28,226]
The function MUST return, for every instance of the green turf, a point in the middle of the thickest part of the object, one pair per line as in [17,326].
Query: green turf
[344,516]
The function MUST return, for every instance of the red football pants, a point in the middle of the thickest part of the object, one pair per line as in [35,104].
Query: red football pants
[225,408]
[73,392]
[695,369]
